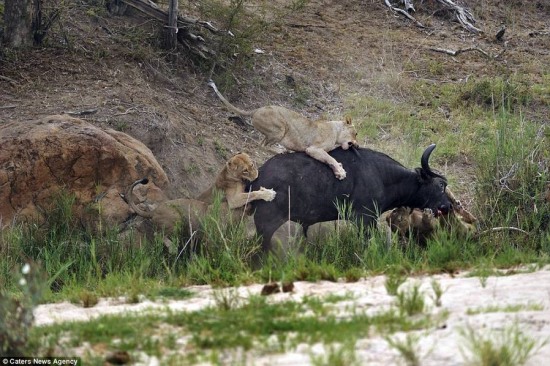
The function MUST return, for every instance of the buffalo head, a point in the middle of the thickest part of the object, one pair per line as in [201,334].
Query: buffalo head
[431,193]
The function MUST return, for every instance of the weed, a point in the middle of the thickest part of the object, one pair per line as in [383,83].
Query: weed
[176,293]
[192,169]
[121,126]
[337,355]
[509,347]
[505,309]
[437,292]
[407,348]
[220,149]
[353,274]
[410,302]
[227,299]
[392,283]
[88,299]
[301,96]
[497,93]
[297,5]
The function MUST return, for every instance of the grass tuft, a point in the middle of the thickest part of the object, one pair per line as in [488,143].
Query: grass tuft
[509,347]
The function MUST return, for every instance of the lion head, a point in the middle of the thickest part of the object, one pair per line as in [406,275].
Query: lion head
[239,168]
[348,134]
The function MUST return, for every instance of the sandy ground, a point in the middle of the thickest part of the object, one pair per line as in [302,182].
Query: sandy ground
[439,345]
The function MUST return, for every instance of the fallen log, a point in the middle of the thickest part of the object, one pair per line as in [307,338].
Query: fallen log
[463,15]
[184,25]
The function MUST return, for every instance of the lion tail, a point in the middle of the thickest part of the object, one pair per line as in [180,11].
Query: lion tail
[130,199]
[229,106]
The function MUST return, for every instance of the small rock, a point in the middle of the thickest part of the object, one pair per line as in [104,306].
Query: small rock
[270,289]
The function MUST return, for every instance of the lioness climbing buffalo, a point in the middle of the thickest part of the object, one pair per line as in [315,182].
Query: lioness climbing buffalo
[307,192]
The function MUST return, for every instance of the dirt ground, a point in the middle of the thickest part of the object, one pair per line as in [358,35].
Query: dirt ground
[332,49]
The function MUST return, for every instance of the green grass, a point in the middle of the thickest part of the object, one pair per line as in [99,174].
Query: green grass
[250,324]
[512,308]
[410,302]
[407,348]
[508,347]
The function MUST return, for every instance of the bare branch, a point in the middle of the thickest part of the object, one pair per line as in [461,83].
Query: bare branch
[463,15]
[500,228]
[468,49]
[404,13]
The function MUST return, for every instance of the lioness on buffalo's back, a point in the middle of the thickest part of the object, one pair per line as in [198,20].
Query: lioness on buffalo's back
[307,193]
[297,133]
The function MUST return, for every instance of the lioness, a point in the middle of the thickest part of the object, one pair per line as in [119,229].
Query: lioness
[421,224]
[230,180]
[168,213]
[416,223]
[297,133]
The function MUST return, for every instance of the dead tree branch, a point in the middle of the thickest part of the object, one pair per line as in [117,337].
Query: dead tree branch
[404,13]
[464,16]
[463,50]
[498,229]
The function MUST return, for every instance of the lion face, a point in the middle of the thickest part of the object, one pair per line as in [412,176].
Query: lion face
[242,167]
[348,136]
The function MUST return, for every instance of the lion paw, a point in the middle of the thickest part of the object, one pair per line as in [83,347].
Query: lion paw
[427,213]
[268,194]
[339,171]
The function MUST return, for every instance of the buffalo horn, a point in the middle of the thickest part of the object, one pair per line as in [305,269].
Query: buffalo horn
[424,160]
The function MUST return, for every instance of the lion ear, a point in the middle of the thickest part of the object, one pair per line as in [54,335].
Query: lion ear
[348,120]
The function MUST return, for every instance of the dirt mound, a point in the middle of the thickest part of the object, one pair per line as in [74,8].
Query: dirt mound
[40,158]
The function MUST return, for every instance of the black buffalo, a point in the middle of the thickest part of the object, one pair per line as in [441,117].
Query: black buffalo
[307,191]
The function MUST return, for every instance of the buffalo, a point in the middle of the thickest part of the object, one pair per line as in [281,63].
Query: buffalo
[307,192]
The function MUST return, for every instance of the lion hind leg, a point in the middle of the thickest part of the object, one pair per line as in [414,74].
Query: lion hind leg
[321,155]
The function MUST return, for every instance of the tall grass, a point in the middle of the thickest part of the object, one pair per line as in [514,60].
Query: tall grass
[513,171]
[74,257]
[512,174]
[225,251]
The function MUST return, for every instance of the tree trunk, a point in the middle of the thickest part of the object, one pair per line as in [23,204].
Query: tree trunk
[18,23]
[172,29]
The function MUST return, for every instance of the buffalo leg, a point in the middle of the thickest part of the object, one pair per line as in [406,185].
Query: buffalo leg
[266,227]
